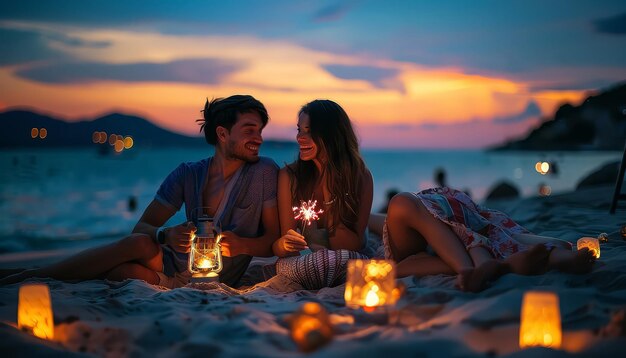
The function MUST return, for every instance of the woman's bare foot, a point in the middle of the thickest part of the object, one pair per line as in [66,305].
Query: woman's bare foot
[577,262]
[533,261]
[478,278]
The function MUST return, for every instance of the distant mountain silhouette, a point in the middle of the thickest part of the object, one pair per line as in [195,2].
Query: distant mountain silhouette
[16,126]
[599,123]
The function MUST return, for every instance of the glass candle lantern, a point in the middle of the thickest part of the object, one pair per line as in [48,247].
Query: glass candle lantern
[371,284]
[540,320]
[591,243]
[205,257]
[34,311]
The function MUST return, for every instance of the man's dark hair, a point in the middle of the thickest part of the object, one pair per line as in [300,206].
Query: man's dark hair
[223,112]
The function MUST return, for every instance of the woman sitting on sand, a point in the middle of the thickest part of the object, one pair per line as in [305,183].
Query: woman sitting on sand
[476,243]
[331,172]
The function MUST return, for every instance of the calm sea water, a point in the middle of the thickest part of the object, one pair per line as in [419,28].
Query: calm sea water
[56,198]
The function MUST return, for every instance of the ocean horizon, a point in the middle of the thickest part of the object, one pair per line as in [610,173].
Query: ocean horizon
[61,197]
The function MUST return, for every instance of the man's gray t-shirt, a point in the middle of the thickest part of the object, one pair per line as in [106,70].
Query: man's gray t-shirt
[251,189]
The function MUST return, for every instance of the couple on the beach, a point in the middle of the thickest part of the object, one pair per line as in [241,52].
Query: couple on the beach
[253,200]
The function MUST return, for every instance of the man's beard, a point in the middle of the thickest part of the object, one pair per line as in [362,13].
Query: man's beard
[233,152]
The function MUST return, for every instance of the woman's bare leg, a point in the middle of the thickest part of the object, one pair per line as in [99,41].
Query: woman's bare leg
[411,227]
[569,261]
[423,264]
[534,261]
[486,269]
[95,262]
[479,255]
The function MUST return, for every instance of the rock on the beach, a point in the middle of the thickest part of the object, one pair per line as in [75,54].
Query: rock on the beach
[503,190]
[606,175]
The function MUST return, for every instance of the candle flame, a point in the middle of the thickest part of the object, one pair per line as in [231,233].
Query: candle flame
[372,298]
[306,212]
[204,263]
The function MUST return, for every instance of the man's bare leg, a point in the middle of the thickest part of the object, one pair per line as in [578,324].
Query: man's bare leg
[94,263]
[133,270]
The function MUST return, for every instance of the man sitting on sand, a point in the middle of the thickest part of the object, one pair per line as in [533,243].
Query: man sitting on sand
[235,186]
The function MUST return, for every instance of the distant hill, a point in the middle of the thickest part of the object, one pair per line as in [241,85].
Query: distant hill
[16,126]
[599,123]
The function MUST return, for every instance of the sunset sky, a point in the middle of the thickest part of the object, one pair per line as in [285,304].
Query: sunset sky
[418,74]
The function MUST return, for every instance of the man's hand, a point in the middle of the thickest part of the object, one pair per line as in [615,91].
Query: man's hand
[293,241]
[232,244]
[179,237]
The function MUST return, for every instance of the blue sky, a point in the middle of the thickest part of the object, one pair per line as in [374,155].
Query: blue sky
[495,66]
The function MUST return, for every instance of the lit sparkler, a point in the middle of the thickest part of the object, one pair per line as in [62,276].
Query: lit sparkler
[306,212]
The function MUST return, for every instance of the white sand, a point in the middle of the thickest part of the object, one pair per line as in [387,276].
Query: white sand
[433,318]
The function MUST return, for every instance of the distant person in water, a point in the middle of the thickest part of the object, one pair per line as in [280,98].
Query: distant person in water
[475,243]
[440,177]
[237,188]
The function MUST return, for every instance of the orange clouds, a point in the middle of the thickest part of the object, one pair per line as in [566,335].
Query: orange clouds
[284,76]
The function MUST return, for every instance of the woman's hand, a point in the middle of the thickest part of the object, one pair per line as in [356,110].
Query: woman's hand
[293,241]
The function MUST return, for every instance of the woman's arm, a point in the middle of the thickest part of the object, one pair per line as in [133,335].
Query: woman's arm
[290,242]
[345,238]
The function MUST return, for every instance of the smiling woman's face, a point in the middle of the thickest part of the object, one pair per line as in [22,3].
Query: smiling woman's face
[308,148]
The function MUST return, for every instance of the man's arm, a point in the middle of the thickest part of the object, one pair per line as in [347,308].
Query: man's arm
[233,245]
[155,215]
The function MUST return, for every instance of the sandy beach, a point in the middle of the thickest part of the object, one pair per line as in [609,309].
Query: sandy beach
[433,318]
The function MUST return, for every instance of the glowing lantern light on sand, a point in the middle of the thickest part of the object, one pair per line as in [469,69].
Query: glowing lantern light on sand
[540,320]
[371,284]
[34,311]
[590,243]
[311,327]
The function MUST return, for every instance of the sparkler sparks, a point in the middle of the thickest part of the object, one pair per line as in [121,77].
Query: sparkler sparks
[306,212]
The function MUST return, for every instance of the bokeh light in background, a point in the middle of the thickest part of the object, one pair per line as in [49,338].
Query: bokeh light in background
[40,133]
[542,167]
[128,142]
[119,145]
[545,190]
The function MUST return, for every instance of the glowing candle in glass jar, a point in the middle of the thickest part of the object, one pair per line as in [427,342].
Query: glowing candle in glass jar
[34,311]
[540,320]
[371,284]
[590,243]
